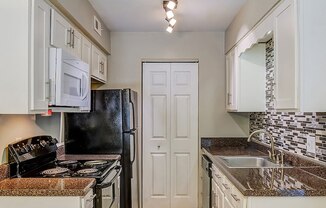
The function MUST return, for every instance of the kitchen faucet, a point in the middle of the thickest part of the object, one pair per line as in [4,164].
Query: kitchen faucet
[272,154]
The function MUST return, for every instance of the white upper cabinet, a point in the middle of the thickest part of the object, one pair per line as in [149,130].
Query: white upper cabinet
[246,72]
[64,35]
[39,66]
[300,30]
[86,51]
[99,65]
[231,84]
[24,86]
[286,72]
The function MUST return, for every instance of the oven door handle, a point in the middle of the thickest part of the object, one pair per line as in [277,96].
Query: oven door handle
[108,184]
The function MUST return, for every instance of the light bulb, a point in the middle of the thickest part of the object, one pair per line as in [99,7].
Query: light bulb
[169,29]
[169,14]
[171,5]
[172,22]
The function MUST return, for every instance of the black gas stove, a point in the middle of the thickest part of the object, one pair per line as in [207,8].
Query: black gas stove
[36,157]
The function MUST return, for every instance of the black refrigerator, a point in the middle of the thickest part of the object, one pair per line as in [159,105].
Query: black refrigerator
[109,128]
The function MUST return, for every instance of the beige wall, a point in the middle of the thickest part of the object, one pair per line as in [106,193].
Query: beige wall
[129,49]
[16,127]
[246,19]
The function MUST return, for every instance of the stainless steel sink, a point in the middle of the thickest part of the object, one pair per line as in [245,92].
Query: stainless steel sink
[249,162]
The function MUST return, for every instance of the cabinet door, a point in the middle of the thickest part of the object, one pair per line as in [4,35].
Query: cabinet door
[76,43]
[86,54]
[103,67]
[286,72]
[40,47]
[61,31]
[231,104]
[96,59]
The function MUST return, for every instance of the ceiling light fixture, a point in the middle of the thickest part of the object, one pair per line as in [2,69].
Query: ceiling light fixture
[171,5]
[168,7]
[169,29]
[172,21]
[169,14]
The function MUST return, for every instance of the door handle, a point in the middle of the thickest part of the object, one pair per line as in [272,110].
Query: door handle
[85,91]
[133,115]
[48,95]
[69,35]
[73,38]
[133,134]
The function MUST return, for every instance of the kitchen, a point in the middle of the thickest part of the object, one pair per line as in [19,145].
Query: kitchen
[220,52]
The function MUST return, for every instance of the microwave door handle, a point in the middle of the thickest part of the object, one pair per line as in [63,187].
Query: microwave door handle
[85,91]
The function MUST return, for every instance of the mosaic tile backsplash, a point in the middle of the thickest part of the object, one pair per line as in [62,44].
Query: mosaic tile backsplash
[290,130]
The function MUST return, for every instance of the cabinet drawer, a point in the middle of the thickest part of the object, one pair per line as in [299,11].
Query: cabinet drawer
[236,198]
[217,176]
[227,188]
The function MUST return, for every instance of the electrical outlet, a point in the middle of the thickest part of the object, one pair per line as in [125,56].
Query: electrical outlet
[311,145]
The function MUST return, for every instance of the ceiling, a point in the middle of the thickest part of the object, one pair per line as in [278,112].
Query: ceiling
[148,15]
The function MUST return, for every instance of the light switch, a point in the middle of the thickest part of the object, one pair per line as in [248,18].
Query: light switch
[311,145]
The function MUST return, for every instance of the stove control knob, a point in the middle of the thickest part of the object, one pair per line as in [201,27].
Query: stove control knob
[25,147]
[22,150]
[43,143]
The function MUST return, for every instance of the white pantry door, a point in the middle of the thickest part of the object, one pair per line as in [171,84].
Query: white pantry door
[170,135]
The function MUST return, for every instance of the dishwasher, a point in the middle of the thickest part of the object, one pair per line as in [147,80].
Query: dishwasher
[206,165]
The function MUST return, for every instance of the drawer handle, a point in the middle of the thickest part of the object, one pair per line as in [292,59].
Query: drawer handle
[217,176]
[225,186]
[235,197]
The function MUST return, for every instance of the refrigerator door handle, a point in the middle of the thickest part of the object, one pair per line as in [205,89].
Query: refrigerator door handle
[133,116]
[133,134]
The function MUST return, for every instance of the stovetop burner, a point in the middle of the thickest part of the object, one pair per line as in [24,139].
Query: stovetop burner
[68,162]
[93,163]
[88,172]
[55,171]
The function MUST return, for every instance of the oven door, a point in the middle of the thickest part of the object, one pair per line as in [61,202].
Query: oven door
[71,82]
[108,192]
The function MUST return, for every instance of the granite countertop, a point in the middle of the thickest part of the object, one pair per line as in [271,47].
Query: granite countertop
[50,186]
[88,157]
[46,186]
[304,179]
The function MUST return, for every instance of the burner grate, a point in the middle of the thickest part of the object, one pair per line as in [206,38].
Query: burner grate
[88,171]
[95,162]
[55,171]
[68,162]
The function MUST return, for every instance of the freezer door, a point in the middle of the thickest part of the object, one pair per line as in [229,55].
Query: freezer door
[97,132]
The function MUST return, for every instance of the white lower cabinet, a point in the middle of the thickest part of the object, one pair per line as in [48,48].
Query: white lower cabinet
[48,201]
[226,195]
